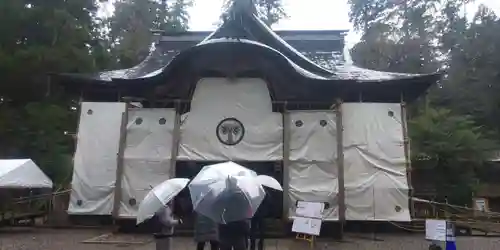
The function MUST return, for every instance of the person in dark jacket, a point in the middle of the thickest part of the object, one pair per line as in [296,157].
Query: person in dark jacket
[206,230]
[233,234]
[257,231]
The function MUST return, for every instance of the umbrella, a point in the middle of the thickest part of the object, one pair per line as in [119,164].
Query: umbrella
[159,196]
[209,174]
[221,171]
[229,199]
[228,191]
[269,181]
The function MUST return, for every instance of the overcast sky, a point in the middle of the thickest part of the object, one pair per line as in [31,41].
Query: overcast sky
[303,15]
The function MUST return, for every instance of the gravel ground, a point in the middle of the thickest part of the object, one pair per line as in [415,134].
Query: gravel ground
[70,239]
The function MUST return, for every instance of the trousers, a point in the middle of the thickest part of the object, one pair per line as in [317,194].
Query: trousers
[257,235]
[214,245]
[239,243]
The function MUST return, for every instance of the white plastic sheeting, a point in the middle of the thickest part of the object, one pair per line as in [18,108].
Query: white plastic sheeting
[313,136]
[245,99]
[95,158]
[147,155]
[313,154]
[22,173]
[314,182]
[374,162]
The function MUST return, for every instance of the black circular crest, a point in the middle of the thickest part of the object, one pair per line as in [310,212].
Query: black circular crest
[299,123]
[132,202]
[230,131]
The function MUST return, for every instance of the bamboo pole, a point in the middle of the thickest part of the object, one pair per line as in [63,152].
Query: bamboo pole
[286,161]
[176,136]
[119,163]
[340,166]
[406,145]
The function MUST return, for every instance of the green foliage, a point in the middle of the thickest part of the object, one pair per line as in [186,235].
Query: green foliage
[269,11]
[454,146]
[39,37]
[36,131]
[457,126]
[130,35]
[438,135]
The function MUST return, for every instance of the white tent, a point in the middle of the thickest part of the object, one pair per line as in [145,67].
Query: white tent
[22,173]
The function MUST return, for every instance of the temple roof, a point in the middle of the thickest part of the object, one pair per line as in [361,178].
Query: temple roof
[319,59]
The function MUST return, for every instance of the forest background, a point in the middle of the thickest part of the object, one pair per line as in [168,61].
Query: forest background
[454,130]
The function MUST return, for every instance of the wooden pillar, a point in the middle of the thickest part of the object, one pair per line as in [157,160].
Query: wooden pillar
[176,136]
[75,136]
[340,166]
[119,163]
[406,145]
[286,161]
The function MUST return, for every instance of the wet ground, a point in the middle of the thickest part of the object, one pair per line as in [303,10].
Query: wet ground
[72,239]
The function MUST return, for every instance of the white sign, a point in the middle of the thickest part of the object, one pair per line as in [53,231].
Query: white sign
[481,204]
[306,226]
[435,230]
[310,209]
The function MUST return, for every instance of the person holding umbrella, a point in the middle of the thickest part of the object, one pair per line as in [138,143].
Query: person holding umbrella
[234,234]
[157,203]
[258,227]
[167,219]
[230,194]
[206,230]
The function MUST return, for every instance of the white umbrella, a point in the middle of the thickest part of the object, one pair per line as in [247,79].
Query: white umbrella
[231,199]
[159,196]
[269,181]
[221,171]
[215,172]
[212,183]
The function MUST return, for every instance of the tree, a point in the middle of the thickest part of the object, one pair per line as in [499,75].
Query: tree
[472,85]
[269,11]
[133,21]
[41,37]
[453,146]
[452,133]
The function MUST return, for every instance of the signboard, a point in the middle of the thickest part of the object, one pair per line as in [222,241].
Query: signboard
[450,232]
[481,204]
[309,226]
[308,217]
[310,209]
[435,230]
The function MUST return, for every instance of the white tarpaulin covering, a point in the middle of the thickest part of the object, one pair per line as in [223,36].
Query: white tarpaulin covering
[22,173]
[313,155]
[314,182]
[95,158]
[147,155]
[313,136]
[259,137]
[374,162]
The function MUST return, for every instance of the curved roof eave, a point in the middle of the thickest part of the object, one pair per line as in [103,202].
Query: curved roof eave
[206,44]
[345,72]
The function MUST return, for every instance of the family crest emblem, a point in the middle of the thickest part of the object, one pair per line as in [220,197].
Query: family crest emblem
[230,131]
